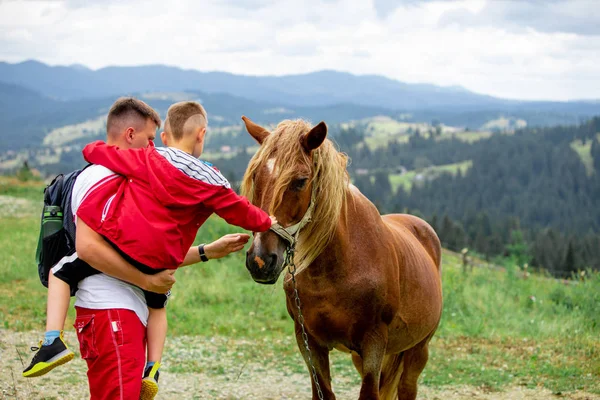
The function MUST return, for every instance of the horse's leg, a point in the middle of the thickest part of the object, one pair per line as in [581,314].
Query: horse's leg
[372,353]
[414,363]
[358,363]
[320,359]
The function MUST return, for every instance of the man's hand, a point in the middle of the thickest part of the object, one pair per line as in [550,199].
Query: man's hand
[161,282]
[225,245]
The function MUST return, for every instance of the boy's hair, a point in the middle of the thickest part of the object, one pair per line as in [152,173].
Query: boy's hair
[132,109]
[183,118]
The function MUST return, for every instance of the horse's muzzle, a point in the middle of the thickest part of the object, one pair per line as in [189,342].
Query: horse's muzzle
[263,269]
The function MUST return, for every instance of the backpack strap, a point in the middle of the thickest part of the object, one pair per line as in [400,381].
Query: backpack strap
[67,191]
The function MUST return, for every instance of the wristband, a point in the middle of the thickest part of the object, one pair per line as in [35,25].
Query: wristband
[202,253]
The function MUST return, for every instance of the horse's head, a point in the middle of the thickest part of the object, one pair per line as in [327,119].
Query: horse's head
[280,179]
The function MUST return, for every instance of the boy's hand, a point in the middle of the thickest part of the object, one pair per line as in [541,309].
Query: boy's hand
[225,245]
[161,282]
[273,220]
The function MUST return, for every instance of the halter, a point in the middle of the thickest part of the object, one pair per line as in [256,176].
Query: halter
[291,233]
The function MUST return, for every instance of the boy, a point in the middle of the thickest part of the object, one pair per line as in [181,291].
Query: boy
[164,192]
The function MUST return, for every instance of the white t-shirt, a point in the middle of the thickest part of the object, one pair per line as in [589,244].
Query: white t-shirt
[100,291]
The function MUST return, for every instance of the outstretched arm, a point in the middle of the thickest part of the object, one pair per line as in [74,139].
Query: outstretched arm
[219,248]
[126,162]
[93,249]
[237,210]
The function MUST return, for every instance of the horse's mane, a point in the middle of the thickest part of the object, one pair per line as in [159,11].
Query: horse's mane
[329,179]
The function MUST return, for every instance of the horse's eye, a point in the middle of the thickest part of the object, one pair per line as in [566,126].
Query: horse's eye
[298,184]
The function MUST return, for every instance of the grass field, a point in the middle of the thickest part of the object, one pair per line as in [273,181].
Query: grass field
[505,124]
[584,151]
[468,137]
[407,179]
[499,330]
[68,133]
[379,131]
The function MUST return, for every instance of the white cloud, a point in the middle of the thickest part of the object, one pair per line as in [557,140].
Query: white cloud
[412,41]
[567,16]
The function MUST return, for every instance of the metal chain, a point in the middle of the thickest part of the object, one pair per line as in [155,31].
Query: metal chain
[289,262]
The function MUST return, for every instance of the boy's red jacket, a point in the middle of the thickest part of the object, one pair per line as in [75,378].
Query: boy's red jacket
[154,210]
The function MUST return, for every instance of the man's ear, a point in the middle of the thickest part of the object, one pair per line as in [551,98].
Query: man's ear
[129,134]
[164,138]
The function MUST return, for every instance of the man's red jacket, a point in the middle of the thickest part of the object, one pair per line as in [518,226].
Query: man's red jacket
[153,211]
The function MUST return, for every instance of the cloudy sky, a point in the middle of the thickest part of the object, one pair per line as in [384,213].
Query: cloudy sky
[524,49]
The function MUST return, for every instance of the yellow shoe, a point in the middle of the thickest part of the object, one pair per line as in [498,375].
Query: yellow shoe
[48,357]
[150,382]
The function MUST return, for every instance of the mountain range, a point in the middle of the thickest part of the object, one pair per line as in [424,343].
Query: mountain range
[36,98]
[320,88]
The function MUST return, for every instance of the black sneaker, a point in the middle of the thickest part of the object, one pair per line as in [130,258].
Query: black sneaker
[48,357]
[150,382]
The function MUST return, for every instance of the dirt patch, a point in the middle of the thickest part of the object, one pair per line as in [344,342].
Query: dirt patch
[211,368]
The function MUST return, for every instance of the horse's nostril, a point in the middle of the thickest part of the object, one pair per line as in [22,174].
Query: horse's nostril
[272,260]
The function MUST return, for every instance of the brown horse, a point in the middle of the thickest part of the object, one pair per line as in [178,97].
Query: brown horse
[369,285]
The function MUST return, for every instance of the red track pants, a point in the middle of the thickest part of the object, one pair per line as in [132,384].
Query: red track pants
[113,343]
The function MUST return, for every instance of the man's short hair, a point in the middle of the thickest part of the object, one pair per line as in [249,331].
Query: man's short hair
[130,108]
[184,118]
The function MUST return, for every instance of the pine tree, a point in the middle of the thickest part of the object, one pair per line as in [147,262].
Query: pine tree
[445,233]
[596,153]
[569,265]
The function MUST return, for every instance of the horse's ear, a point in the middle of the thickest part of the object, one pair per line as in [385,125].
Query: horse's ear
[315,137]
[256,131]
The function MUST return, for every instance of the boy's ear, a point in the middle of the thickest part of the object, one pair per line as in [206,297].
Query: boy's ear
[163,138]
[201,134]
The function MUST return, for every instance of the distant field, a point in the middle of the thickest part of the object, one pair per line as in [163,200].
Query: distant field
[224,130]
[382,140]
[379,131]
[215,156]
[407,179]
[468,137]
[500,331]
[68,133]
[504,124]
[585,153]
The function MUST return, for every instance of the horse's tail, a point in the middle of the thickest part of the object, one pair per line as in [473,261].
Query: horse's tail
[391,371]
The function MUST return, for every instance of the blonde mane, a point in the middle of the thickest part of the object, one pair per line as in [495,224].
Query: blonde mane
[329,179]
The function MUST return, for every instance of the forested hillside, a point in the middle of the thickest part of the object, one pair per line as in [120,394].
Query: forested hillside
[529,193]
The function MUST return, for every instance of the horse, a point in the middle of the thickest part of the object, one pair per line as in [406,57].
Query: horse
[367,284]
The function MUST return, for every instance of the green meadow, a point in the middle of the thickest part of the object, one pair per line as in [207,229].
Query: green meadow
[583,150]
[501,328]
[407,179]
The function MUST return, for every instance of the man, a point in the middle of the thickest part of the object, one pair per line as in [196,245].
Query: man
[112,314]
